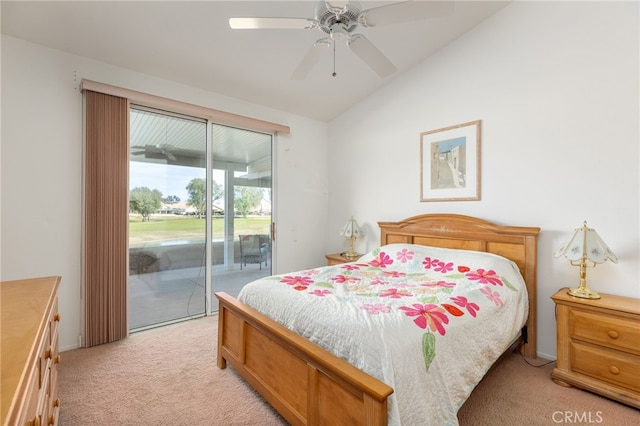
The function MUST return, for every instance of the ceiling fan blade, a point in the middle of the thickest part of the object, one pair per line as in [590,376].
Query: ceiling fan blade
[311,58]
[272,23]
[405,11]
[370,54]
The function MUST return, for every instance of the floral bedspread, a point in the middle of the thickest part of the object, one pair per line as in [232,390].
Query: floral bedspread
[427,321]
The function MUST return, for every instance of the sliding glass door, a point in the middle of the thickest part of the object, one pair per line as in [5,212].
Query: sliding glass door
[167,218]
[193,232]
[241,243]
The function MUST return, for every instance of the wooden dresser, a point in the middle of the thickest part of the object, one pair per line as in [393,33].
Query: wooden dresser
[598,345]
[29,354]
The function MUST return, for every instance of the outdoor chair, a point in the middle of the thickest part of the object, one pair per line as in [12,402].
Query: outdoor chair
[253,249]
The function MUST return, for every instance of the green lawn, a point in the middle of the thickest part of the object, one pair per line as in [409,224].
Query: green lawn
[170,227]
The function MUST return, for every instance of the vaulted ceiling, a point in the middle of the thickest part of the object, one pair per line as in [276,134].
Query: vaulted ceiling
[191,42]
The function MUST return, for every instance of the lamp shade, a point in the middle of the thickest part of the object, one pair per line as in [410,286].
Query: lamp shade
[351,229]
[585,243]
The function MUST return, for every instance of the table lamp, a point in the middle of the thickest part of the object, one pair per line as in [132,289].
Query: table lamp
[585,245]
[352,231]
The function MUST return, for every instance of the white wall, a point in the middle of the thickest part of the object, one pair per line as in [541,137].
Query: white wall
[556,87]
[42,169]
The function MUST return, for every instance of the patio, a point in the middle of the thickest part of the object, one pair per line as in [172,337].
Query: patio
[177,294]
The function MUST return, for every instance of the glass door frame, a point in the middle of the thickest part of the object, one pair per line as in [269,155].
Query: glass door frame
[230,183]
[144,132]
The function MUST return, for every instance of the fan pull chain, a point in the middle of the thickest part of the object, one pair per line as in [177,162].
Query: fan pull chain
[334,59]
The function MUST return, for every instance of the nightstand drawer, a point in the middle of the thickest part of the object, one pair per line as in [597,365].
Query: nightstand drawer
[613,332]
[617,368]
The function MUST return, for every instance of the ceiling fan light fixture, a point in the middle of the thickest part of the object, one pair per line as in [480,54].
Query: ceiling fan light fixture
[339,32]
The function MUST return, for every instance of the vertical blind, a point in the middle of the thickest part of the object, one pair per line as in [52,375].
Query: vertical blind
[106,217]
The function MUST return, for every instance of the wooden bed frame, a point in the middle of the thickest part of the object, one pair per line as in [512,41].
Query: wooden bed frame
[308,385]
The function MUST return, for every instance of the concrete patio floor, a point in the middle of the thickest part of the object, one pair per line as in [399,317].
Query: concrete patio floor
[177,294]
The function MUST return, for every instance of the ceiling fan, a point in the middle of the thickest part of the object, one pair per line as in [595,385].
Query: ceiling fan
[339,20]
[154,151]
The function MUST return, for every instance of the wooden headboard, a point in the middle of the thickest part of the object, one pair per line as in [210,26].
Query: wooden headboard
[516,243]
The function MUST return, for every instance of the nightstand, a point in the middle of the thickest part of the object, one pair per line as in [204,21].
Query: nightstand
[337,259]
[598,345]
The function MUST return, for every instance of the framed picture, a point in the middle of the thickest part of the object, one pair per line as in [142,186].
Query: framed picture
[450,163]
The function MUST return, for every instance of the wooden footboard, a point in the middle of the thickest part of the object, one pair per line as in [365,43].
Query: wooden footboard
[306,384]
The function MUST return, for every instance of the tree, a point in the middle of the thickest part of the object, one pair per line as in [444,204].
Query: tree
[217,191]
[171,199]
[197,190]
[246,199]
[145,201]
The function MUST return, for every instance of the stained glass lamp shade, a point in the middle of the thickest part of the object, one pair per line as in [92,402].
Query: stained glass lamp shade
[583,247]
[352,231]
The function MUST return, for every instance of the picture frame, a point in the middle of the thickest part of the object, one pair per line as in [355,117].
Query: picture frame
[450,163]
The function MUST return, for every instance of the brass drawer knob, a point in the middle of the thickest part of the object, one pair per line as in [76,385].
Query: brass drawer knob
[57,359]
[614,370]
[613,334]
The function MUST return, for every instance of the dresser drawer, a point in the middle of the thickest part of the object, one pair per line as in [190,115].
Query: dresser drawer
[53,370]
[618,368]
[611,331]
[54,400]
[54,320]
[31,397]
[43,401]
[45,356]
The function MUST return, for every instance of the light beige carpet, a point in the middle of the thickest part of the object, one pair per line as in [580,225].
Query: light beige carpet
[162,376]
[168,376]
